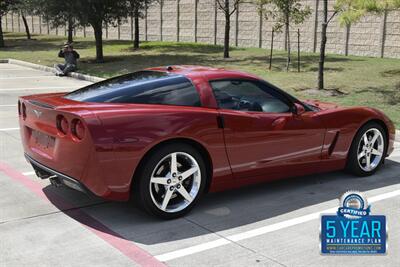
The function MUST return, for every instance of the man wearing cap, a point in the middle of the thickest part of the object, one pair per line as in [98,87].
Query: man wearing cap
[70,56]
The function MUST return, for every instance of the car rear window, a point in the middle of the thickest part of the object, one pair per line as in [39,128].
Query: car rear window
[142,87]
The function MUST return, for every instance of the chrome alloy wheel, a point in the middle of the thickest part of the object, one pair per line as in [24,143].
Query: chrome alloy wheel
[175,182]
[370,149]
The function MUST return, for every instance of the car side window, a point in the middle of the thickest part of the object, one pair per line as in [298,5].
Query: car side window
[181,93]
[143,87]
[246,96]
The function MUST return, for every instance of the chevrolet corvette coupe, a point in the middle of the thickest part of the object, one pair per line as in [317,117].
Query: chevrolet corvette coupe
[165,136]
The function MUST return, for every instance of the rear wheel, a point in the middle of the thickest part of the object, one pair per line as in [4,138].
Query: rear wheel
[171,181]
[368,150]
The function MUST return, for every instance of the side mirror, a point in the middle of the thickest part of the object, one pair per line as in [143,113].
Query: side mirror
[298,109]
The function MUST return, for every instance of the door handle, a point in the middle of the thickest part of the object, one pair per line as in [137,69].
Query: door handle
[220,122]
[279,123]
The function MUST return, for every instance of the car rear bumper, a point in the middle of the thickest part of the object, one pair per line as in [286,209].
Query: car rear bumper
[56,177]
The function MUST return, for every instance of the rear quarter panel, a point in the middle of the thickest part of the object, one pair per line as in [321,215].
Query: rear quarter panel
[128,132]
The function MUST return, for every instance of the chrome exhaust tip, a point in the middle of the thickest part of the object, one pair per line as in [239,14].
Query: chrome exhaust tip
[55,181]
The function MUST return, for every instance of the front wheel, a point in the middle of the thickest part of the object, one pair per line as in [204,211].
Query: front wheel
[171,181]
[368,150]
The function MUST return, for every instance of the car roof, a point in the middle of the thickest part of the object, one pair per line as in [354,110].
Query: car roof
[210,73]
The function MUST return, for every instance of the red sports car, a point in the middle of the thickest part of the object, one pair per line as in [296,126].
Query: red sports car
[165,136]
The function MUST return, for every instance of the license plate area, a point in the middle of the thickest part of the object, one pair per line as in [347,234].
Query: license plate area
[42,140]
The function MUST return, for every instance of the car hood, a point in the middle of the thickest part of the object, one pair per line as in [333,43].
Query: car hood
[321,105]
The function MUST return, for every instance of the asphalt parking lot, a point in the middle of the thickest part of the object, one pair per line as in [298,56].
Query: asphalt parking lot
[274,224]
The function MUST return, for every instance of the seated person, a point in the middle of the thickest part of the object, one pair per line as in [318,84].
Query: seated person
[70,56]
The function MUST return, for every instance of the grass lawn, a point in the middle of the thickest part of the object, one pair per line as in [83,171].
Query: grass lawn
[362,81]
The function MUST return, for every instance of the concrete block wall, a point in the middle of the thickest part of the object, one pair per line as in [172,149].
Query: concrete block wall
[186,20]
[202,21]
[392,38]
[205,21]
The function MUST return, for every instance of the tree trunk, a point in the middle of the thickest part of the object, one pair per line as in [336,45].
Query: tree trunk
[322,48]
[28,34]
[136,40]
[1,35]
[227,29]
[272,49]
[288,45]
[287,35]
[70,31]
[98,35]
[226,38]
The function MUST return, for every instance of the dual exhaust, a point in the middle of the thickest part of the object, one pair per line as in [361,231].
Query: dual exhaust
[56,178]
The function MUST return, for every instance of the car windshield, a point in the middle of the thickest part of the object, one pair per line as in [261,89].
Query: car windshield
[142,87]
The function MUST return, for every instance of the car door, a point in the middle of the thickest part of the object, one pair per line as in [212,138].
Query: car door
[263,136]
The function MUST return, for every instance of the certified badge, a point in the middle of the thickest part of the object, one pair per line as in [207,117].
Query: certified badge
[353,230]
[353,205]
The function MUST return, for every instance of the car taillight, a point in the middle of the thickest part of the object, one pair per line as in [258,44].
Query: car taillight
[78,129]
[19,108]
[62,124]
[23,111]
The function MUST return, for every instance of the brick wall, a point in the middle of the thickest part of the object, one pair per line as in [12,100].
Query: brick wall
[201,21]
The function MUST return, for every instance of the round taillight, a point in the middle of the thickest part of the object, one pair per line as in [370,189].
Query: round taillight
[23,111]
[78,129]
[62,124]
[19,108]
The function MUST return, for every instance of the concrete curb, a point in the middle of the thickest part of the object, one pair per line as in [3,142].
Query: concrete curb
[75,75]
[397,138]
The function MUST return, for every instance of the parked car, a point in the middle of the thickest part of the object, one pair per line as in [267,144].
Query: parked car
[165,136]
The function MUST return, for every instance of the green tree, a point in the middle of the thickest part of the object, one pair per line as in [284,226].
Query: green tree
[96,13]
[58,13]
[352,10]
[136,10]
[5,6]
[285,13]
[349,11]
[321,63]
[225,7]
[24,8]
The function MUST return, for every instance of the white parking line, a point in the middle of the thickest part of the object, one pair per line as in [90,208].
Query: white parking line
[260,231]
[8,129]
[4,106]
[28,173]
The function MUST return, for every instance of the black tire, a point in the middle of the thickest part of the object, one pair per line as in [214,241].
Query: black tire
[353,165]
[141,191]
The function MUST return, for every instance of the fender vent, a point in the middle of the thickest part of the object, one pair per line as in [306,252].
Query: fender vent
[333,144]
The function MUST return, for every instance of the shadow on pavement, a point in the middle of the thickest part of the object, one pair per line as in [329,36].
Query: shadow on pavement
[219,211]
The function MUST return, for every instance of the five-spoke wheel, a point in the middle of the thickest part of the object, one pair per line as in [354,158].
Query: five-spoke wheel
[175,182]
[172,180]
[368,150]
